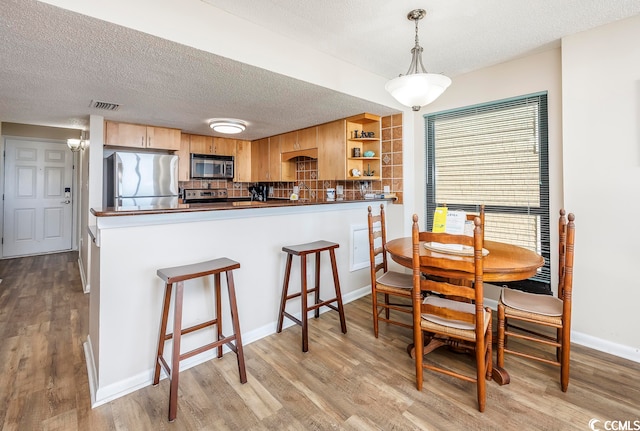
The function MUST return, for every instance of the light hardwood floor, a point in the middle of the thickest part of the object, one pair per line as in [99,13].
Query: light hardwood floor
[350,382]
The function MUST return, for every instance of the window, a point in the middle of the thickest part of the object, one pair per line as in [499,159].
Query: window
[494,154]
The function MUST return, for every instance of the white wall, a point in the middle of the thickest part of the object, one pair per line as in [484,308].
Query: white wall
[601,134]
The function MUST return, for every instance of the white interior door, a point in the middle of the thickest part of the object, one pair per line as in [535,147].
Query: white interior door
[37,197]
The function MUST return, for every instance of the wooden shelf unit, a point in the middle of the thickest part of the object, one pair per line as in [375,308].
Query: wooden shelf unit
[356,125]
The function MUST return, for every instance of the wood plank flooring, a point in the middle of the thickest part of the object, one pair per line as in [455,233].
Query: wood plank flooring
[344,382]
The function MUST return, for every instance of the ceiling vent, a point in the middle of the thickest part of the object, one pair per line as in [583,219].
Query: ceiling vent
[104,105]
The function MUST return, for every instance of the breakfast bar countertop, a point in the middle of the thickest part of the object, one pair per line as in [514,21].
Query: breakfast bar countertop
[218,206]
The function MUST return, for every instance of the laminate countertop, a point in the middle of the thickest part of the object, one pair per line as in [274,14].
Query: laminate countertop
[219,206]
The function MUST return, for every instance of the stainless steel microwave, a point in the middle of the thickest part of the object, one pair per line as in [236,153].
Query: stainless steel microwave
[210,166]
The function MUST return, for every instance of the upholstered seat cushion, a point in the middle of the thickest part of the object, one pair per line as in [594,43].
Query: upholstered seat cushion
[545,305]
[396,279]
[456,328]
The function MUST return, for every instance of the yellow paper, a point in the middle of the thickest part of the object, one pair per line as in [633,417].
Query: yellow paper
[439,219]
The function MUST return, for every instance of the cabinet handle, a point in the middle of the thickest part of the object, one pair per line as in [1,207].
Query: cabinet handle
[149,142]
[142,141]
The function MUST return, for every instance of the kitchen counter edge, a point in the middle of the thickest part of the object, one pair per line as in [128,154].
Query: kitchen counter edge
[220,206]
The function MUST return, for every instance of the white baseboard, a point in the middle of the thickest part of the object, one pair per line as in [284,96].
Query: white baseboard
[91,370]
[83,276]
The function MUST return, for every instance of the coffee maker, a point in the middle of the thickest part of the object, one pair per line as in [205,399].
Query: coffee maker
[259,192]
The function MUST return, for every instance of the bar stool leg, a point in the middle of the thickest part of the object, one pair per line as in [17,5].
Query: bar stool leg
[235,321]
[175,356]
[218,317]
[336,282]
[303,294]
[317,288]
[163,332]
[285,290]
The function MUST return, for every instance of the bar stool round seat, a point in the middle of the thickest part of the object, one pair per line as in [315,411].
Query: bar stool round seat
[303,250]
[177,275]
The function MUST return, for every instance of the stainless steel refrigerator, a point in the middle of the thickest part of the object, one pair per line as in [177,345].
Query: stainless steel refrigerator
[147,180]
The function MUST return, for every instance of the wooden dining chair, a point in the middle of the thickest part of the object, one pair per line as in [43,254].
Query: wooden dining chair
[451,314]
[532,312]
[384,283]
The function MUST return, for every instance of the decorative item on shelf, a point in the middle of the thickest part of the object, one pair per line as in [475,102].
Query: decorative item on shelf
[355,172]
[363,135]
[368,172]
[369,153]
[417,87]
[356,152]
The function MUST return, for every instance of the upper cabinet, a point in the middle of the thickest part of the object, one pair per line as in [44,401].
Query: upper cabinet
[303,139]
[141,136]
[184,163]
[209,145]
[331,151]
[265,159]
[242,165]
[364,147]
[199,144]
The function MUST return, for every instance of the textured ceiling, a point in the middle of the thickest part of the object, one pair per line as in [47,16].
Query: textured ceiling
[55,62]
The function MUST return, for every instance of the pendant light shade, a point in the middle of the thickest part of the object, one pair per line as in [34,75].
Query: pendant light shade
[417,88]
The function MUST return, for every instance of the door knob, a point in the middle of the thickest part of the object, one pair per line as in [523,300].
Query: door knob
[66,202]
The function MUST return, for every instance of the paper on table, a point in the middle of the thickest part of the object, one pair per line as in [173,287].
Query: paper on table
[439,219]
[455,222]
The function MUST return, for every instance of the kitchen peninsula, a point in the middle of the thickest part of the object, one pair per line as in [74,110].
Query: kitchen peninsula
[130,245]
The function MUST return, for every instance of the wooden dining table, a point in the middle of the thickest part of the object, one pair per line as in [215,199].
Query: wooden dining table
[504,262]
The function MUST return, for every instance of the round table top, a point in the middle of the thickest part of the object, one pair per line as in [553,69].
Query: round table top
[505,262]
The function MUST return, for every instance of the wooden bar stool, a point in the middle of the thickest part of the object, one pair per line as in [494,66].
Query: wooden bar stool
[303,250]
[178,275]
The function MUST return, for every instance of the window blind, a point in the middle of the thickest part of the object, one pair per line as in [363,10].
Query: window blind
[494,154]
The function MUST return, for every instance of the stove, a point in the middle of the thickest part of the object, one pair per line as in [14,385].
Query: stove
[204,195]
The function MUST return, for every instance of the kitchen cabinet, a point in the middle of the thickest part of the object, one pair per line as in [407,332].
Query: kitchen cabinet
[308,138]
[331,151]
[288,141]
[224,146]
[302,139]
[201,144]
[363,134]
[184,163]
[141,136]
[242,167]
[265,160]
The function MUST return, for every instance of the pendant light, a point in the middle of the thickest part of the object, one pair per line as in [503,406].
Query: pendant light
[417,88]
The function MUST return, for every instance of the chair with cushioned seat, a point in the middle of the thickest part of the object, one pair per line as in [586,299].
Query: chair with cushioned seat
[388,283]
[533,312]
[451,314]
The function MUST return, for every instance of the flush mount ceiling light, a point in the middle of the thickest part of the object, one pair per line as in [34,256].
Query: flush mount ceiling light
[417,88]
[227,126]
[76,145]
